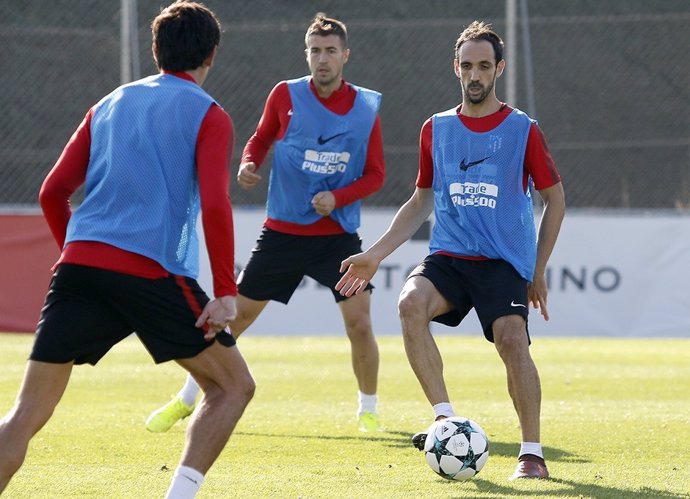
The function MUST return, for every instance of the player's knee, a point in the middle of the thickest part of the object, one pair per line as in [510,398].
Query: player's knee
[359,329]
[510,336]
[412,305]
[247,388]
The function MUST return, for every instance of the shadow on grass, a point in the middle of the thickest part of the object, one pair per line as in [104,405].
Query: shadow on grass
[500,449]
[570,488]
[401,439]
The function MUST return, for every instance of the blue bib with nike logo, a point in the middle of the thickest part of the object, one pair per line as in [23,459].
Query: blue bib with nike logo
[480,205]
[321,151]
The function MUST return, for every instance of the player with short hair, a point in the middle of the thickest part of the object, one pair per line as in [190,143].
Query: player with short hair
[328,155]
[477,164]
[152,153]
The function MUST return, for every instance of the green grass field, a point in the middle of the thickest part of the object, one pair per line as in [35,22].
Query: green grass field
[615,424]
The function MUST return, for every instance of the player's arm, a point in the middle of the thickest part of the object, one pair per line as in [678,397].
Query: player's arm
[68,173]
[540,165]
[371,180]
[213,149]
[360,269]
[272,125]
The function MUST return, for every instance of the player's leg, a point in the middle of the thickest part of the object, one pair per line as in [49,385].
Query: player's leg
[74,327]
[524,387]
[182,405]
[365,357]
[512,344]
[228,387]
[419,303]
[501,300]
[365,352]
[41,390]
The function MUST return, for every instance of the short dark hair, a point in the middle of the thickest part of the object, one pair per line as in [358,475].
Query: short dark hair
[480,31]
[324,26]
[184,35]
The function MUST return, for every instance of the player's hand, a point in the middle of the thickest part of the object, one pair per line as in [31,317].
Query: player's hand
[537,293]
[359,269]
[247,177]
[324,203]
[217,314]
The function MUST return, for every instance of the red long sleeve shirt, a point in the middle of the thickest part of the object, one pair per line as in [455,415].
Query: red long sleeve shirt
[213,148]
[272,126]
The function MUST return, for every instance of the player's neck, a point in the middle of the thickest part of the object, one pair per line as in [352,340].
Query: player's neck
[325,91]
[488,106]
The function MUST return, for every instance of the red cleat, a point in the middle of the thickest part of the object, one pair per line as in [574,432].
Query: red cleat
[530,466]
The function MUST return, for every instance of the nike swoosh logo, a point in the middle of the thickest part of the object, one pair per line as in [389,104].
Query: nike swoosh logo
[322,141]
[464,166]
[513,304]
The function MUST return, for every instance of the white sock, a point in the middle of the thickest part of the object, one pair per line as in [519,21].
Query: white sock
[185,483]
[533,448]
[443,409]
[189,391]
[367,403]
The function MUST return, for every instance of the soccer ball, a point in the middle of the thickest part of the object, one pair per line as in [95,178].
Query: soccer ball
[456,448]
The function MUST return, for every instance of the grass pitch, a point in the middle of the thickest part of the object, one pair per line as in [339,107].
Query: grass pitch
[615,423]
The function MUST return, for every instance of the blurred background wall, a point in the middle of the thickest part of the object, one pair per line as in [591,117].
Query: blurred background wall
[610,82]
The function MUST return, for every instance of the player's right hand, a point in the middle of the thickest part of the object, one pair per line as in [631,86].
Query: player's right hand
[359,269]
[217,315]
[247,177]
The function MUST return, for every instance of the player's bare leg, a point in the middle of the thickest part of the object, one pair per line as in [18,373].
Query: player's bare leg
[182,405]
[228,387]
[511,341]
[524,387]
[420,302]
[365,351]
[365,358]
[41,390]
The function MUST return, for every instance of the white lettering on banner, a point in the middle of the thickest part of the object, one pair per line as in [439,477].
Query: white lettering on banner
[603,279]
[473,194]
[324,162]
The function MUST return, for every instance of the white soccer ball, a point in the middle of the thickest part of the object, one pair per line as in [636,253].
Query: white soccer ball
[456,448]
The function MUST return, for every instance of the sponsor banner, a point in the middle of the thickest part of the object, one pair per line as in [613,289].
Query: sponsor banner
[609,275]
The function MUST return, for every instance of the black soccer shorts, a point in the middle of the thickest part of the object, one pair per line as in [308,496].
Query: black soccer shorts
[492,287]
[88,310]
[280,261]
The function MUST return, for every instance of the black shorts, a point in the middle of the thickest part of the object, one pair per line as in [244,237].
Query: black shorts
[280,261]
[88,310]
[493,287]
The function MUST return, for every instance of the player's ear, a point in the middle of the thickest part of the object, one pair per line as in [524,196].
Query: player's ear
[456,68]
[208,62]
[500,67]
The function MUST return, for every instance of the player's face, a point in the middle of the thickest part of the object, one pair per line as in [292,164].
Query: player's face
[326,57]
[476,67]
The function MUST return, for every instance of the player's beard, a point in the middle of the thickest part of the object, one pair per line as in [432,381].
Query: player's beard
[483,95]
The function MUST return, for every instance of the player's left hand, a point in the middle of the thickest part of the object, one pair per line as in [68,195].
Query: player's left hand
[537,293]
[217,314]
[324,203]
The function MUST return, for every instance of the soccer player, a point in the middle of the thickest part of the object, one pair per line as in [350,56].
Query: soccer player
[151,153]
[328,155]
[477,163]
